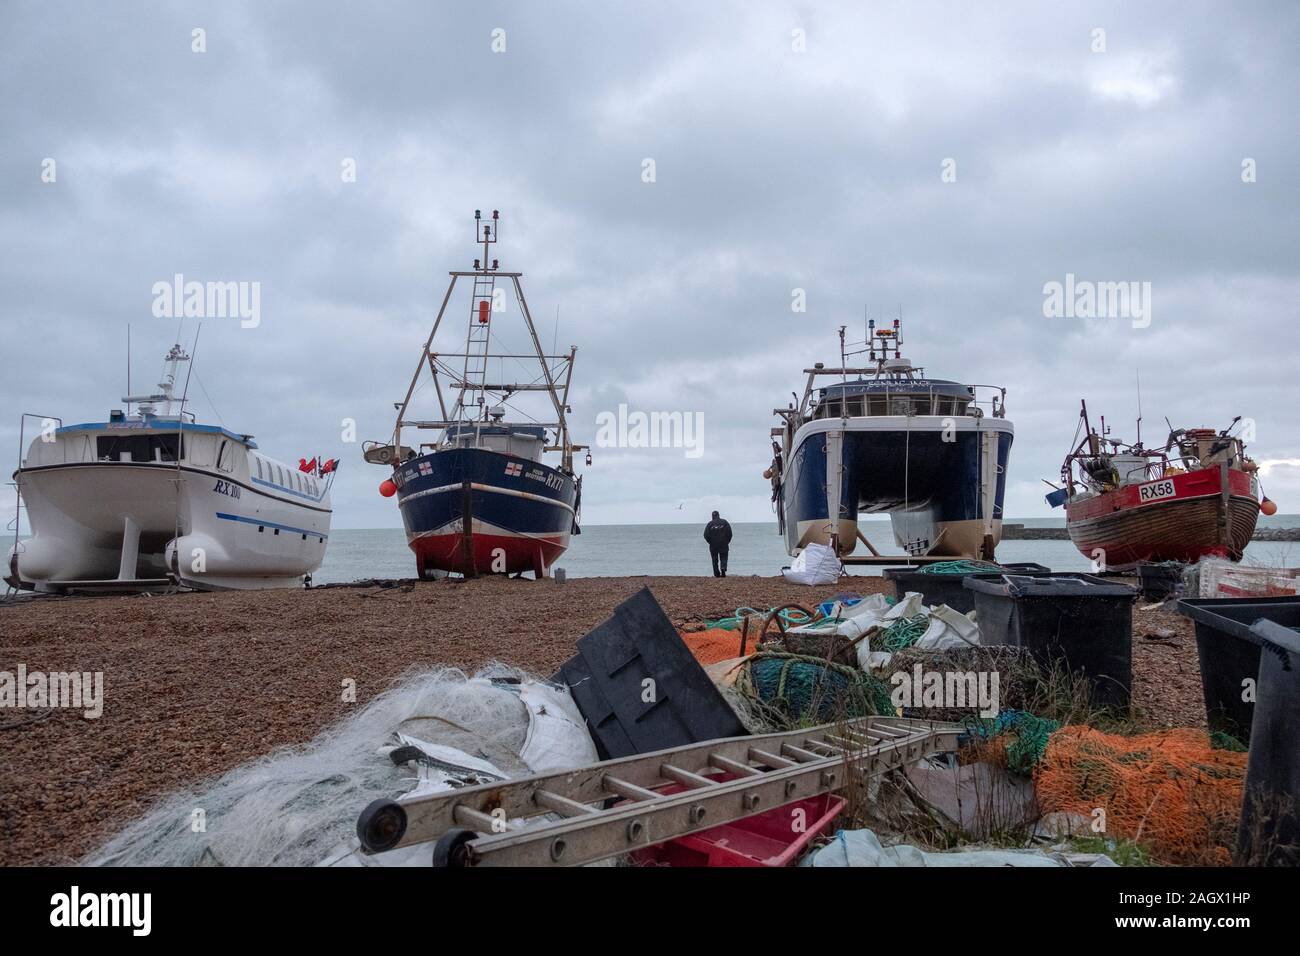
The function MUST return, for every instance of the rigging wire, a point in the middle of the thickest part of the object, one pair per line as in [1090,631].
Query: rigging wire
[204,389]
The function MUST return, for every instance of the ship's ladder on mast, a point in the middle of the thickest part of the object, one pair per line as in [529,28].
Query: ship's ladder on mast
[478,339]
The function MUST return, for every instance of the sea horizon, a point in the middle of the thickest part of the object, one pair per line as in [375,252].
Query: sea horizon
[678,548]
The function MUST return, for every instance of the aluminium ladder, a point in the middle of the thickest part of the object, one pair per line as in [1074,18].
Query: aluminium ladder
[488,825]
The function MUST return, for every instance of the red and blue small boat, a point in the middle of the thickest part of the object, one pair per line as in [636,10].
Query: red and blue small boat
[480,499]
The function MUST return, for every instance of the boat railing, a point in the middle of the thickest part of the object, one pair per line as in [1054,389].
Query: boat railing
[18,478]
[1157,469]
[912,399]
[996,400]
[1153,470]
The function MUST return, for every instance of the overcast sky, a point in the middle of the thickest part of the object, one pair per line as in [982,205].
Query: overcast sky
[775,168]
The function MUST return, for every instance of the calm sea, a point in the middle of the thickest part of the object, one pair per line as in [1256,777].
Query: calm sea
[679,549]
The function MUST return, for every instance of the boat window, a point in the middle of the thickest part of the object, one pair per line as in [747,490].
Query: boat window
[258,459]
[201,449]
[854,406]
[226,456]
[137,447]
[877,405]
[77,448]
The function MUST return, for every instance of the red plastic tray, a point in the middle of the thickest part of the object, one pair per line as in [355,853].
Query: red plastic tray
[776,837]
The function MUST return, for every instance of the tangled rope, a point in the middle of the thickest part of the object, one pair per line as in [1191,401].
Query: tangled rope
[903,633]
[964,566]
[1170,791]
[806,687]
[1026,735]
[790,616]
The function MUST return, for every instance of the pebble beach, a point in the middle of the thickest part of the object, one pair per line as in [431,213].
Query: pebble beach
[197,684]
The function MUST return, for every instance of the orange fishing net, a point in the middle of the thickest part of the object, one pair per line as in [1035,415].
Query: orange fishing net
[1168,791]
[717,644]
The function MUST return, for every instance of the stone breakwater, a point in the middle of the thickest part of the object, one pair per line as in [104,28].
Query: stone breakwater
[1018,532]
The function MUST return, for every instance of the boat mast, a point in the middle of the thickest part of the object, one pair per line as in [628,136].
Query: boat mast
[166,394]
[474,367]
[478,339]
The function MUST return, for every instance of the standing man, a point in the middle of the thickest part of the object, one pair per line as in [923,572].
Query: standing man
[718,534]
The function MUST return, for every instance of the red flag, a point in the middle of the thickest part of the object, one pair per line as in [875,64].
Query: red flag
[329,466]
[305,465]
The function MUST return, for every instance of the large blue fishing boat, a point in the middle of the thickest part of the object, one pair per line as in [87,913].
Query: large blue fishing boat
[885,439]
[479,499]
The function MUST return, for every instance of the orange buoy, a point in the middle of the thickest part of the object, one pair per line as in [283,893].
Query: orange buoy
[387,488]
[1268,506]
[483,307]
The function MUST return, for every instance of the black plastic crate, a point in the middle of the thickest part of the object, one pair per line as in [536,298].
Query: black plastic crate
[946,588]
[1078,621]
[1228,650]
[608,680]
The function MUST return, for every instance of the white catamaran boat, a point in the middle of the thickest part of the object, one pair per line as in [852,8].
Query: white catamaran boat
[156,499]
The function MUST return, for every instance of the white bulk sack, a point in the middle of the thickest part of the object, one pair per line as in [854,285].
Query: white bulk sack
[815,564]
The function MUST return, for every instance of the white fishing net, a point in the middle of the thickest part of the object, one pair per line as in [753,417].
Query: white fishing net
[298,806]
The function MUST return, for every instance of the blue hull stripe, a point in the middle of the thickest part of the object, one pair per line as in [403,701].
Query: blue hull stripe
[289,491]
[476,486]
[271,524]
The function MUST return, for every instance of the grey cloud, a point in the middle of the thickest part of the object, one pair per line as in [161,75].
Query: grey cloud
[775,170]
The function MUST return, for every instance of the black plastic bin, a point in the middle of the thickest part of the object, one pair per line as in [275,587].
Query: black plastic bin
[1229,653]
[1160,581]
[1269,832]
[946,588]
[1076,620]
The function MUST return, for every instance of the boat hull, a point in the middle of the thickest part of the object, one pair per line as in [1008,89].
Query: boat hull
[475,511]
[115,525]
[941,481]
[1182,517]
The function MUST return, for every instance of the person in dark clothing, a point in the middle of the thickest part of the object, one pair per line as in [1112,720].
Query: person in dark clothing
[718,534]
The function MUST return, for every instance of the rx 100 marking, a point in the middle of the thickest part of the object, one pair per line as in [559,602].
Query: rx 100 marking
[227,488]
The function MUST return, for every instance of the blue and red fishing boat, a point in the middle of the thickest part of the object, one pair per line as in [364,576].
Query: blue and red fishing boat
[480,499]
